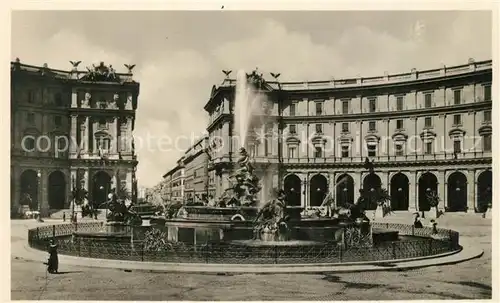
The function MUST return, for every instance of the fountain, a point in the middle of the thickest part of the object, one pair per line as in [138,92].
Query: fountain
[241,218]
[245,229]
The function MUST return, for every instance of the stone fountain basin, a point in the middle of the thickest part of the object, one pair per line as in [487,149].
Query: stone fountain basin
[208,213]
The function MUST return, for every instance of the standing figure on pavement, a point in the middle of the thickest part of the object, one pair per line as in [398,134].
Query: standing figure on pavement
[53,264]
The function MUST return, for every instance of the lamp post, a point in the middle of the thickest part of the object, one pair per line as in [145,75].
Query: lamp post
[105,189]
[400,191]
[38,177]
[75,193]
[372,192]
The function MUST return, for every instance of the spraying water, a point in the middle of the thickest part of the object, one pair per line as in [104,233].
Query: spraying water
[248,102]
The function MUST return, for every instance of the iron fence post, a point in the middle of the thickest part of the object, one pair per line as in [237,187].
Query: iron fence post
[54,231]
[37,233]
[142,251]
[413,230]
[340,253]
[393,245]
[275,254]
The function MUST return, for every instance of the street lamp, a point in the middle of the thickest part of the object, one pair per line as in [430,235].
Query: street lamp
[345,195]
[105,189]
[38,177]
[74,192]
[372,191]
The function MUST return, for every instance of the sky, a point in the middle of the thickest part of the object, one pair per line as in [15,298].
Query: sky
[180,55]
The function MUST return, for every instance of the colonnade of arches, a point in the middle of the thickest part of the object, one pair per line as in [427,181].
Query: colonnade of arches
[58,188]
[399,190]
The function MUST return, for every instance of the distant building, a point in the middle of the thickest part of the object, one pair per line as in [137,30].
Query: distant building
[71,129]
[424,131]
[174,180]
[195,161]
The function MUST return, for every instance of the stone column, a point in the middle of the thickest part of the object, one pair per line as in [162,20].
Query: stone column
[74,98]
[128,135]
[442,190]
[123,137]
[16,179]
[471,191]
[43,193]
[412,192]
[83,136]
[73,135]
[384,178]
[114,136]
[86,181]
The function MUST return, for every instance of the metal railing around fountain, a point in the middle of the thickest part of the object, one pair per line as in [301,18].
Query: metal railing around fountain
[424,242]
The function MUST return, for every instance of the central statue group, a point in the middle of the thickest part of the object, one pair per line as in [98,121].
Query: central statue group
[244,184]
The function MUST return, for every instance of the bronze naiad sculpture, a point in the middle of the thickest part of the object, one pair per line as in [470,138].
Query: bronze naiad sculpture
[271,223]
[245,185]
[120,212]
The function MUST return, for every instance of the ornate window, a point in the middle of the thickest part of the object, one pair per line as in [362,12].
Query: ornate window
[487,93]
[372,150]
[399,102]
[58,99]
[31,118]
[319,108]
[102,123]
[373,105]
[103,143]
[318,151]
[457,96]
[457,120]
[319,128]
[372,144]
[428,100]
[292,151]
[345,127]
[429,147]
[292,109]
[487,116]
[400,124]
[345,150]
[372,126]
[428,122]
[428,141]
[457,146]
[485,133]
[58,121]
[399,147]
[486,142]
[345,106]
[399,140]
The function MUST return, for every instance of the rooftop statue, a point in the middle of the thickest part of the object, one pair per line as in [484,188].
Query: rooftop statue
[256,79]
[100,73]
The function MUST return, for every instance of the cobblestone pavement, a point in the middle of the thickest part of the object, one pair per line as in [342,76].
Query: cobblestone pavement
[468,280]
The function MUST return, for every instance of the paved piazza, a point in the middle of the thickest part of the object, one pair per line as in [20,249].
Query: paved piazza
[467,280]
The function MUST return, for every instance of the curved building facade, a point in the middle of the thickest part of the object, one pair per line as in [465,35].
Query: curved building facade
[422,131]
[71,129]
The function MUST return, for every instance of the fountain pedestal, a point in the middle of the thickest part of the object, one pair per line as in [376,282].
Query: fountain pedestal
[113,227]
